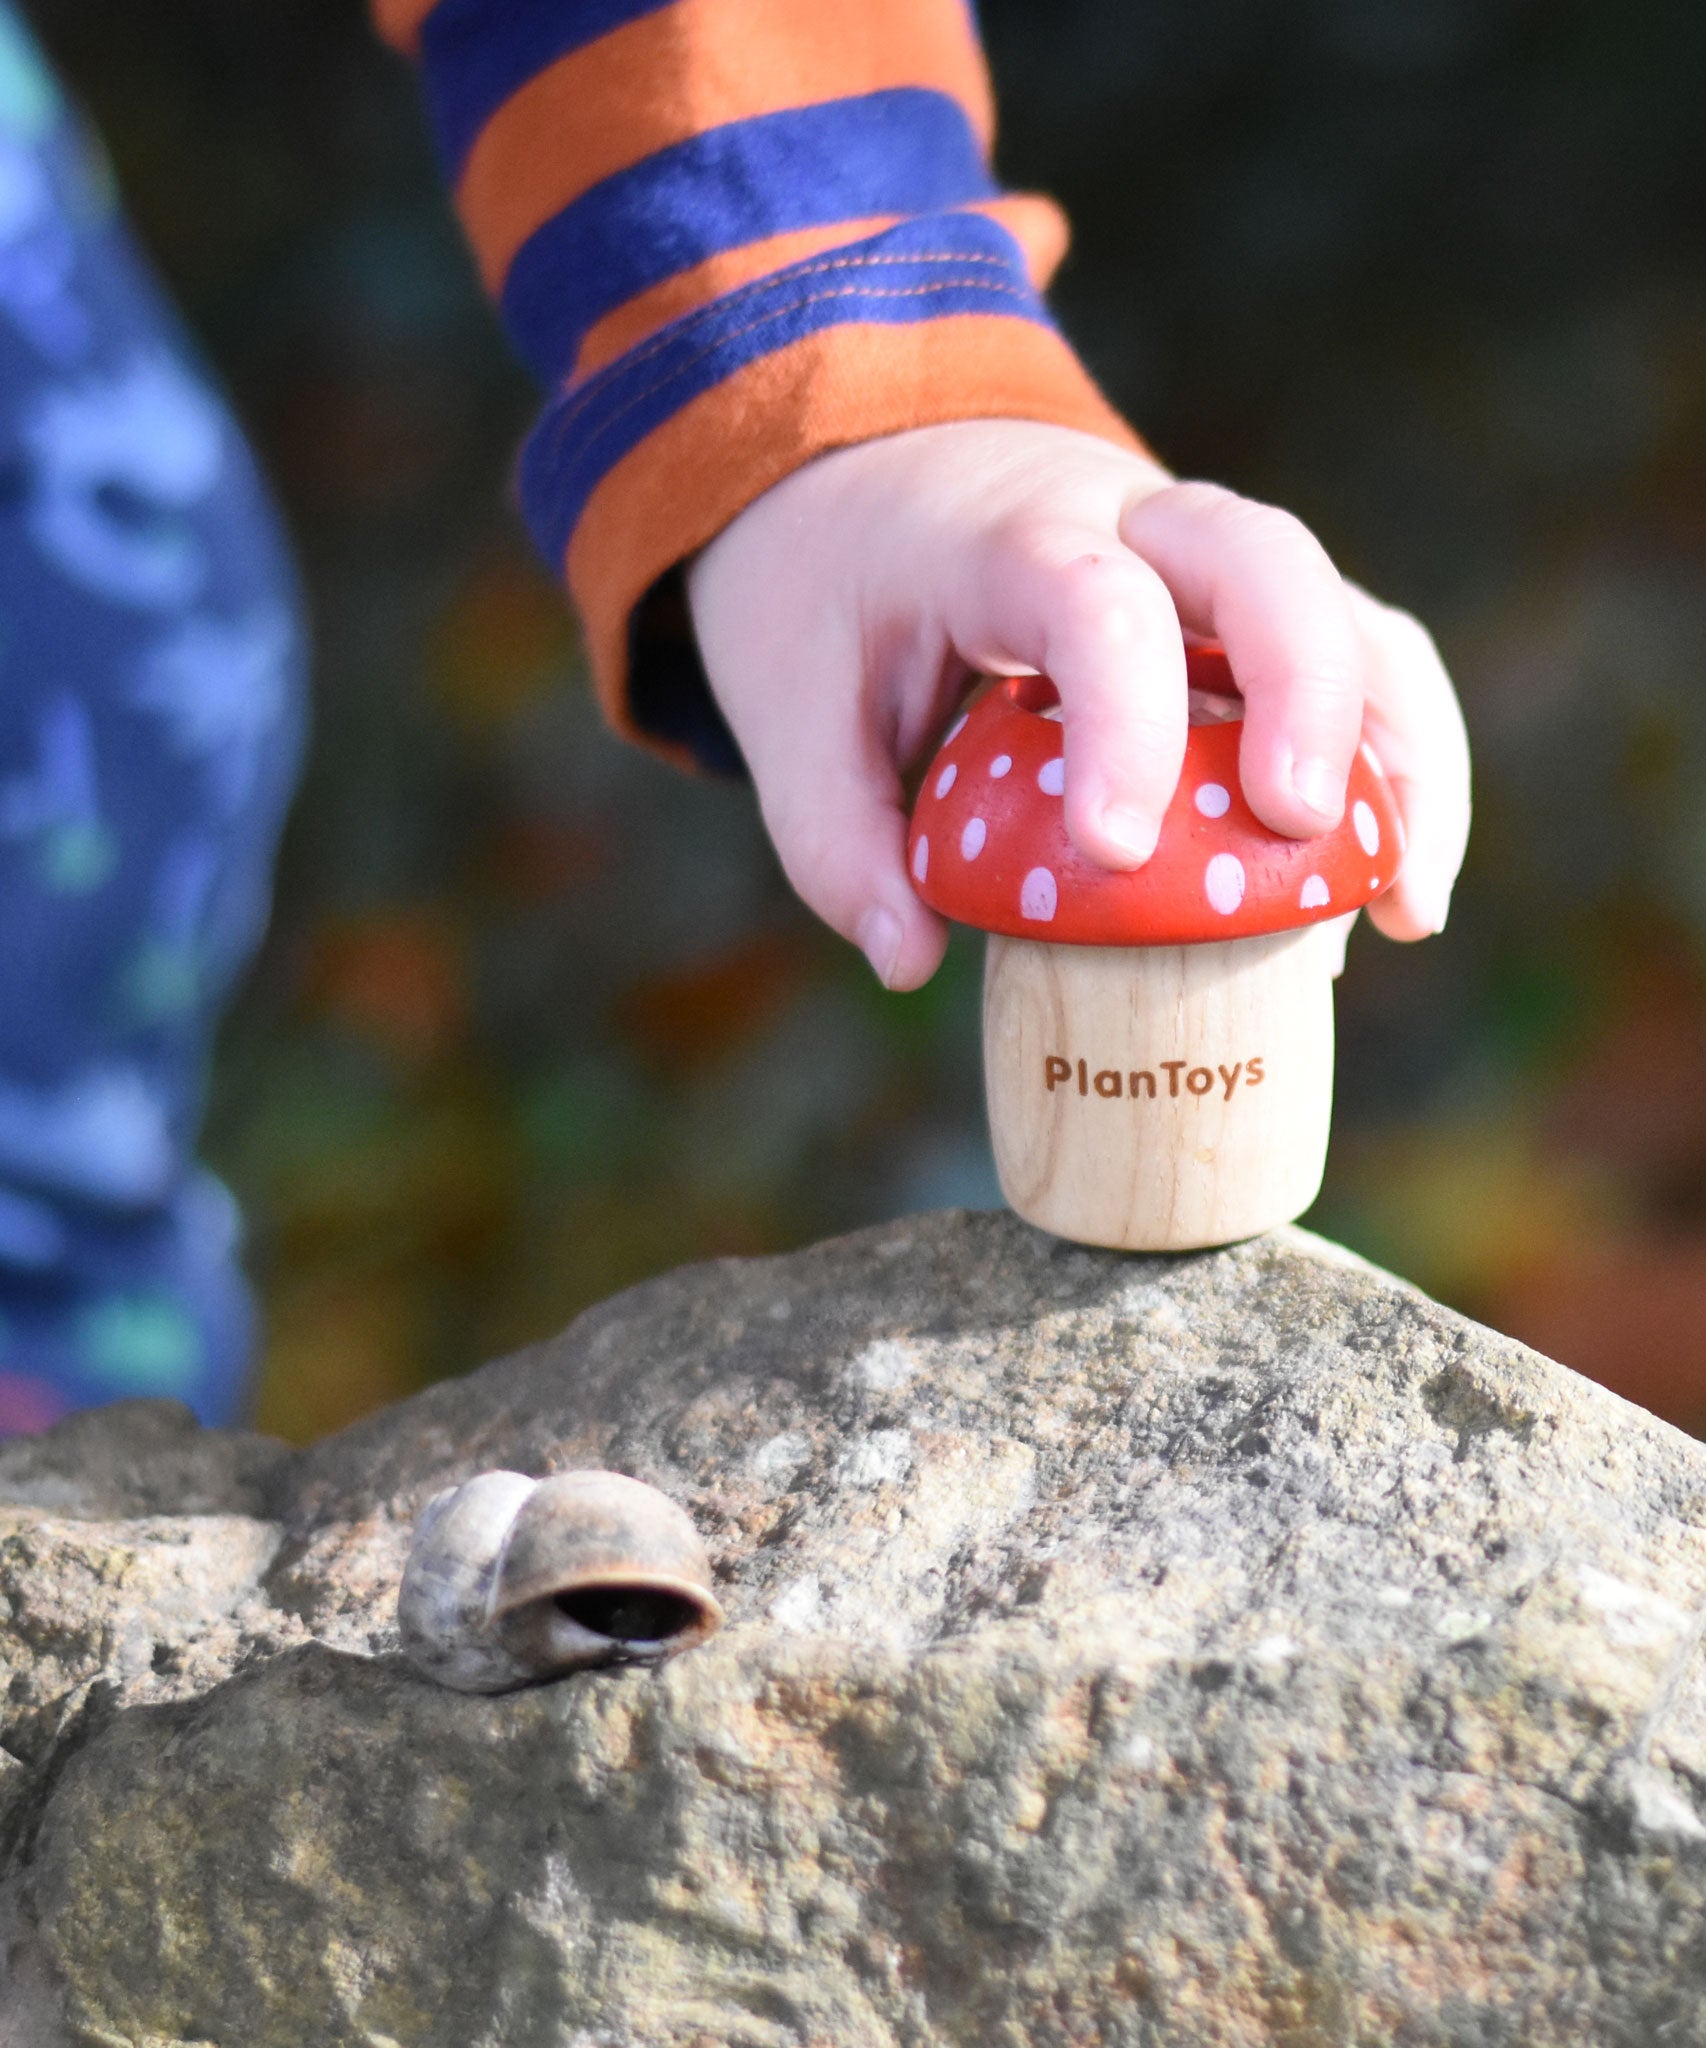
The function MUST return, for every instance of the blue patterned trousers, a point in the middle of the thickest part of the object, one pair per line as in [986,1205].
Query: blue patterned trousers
[151,718]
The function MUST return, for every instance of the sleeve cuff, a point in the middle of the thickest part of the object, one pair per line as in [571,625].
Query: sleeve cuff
[631,472]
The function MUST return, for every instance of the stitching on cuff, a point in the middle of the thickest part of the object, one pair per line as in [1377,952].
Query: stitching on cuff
[684,322]
[560,427]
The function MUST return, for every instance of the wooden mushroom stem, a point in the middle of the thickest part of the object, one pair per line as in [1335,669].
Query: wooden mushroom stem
[1160,1098]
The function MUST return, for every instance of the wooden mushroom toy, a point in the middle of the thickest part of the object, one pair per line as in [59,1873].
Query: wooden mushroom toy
[1158,1044]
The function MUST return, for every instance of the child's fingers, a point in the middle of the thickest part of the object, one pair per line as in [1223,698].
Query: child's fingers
[836,816]
[1416,728]
[1257,580]
[1071,602]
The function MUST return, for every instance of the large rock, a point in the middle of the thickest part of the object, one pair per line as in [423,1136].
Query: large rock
[1231,1649]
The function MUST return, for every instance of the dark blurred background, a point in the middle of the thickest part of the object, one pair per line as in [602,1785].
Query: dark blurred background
[538,1017]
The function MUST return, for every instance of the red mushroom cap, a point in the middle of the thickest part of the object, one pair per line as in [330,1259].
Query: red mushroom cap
[989,845]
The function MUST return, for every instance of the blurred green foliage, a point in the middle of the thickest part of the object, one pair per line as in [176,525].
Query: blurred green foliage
[538,1017]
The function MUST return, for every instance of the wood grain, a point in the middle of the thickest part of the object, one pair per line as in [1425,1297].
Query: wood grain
[1160,1098]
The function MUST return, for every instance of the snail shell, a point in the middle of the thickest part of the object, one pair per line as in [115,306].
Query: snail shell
[511,1580]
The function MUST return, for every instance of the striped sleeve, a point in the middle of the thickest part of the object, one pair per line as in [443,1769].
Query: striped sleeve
[729,235]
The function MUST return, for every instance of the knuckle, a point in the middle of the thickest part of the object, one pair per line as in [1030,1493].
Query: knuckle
[1089,592]
[1275,533]
[1075,581]
[1062,551]
[1021,540]
[1249,526]
[1094,577]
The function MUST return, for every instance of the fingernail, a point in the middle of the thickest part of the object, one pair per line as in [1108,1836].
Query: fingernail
[1129,832]
[1321,788]
[880,938]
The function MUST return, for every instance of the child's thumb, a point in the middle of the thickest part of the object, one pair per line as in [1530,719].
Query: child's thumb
[839,828]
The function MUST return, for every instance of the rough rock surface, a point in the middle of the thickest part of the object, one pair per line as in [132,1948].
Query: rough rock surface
[1231,1649]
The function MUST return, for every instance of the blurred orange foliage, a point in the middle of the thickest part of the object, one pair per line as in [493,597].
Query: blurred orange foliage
[506,635]
[396,978]
[693,1015]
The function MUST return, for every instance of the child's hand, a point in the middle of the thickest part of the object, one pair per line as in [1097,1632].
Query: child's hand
[841,615]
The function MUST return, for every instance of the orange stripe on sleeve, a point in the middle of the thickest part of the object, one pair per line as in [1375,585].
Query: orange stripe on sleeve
[666,77]
[1036,224]
[682,485]
[399,21]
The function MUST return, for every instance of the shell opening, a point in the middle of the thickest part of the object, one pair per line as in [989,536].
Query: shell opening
[631,1614]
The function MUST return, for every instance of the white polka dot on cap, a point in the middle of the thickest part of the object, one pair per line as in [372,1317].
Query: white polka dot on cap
[1223,883]
[1000,765]
[1038,896]
[1051,776]
[1213,800]
[945,781]
[1316,895]
[921,860]
[1367,828]
[972,838]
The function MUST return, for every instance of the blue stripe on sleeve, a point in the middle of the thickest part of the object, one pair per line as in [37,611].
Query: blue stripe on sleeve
[904,150]
[475,54]
[923,270]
